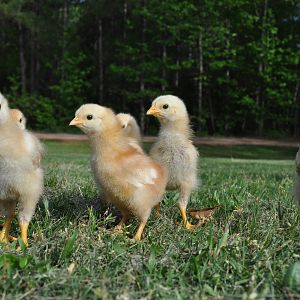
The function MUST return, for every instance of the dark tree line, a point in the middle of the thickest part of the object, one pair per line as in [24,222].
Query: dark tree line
[236,63]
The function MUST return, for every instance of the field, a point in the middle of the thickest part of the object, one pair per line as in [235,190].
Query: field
[244,252]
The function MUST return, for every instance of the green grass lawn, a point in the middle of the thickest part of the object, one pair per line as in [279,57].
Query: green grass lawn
[243,252]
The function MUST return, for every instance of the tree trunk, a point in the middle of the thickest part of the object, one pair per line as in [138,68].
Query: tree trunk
[176,81]
[142,106]
[22,58]
[227,22]
[142,81]
[260,101]
[164,73]
[296,112]
[200,80]
[63,50]
[125,10]
[125,16]
[258,97]
[211,113]
[37,68]
[100,60]
[32,63]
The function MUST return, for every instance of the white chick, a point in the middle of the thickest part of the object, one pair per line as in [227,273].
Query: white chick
[18,118]
[21,181]
[174,148]
[130,179]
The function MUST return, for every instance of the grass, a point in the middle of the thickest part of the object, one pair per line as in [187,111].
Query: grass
[243,252]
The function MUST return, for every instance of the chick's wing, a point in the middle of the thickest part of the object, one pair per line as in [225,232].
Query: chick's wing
[140,170]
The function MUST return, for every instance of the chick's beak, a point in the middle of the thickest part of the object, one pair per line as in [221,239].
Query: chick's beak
[76,122]
[154,111]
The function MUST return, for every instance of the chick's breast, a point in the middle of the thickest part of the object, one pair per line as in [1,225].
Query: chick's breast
[128,173]
[109,175]
[179,157]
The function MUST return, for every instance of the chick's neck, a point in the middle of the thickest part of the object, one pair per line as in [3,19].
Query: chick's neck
[108,142]
[179,126]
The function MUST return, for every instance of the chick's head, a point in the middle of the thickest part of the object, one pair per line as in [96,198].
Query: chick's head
[125,119]
[168,108]
[93,119]
[4,109]
[18,118]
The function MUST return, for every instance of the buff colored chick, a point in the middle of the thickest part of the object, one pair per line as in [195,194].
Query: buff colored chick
[131,180]
[174,148]
[18,118]
[130,127]
[21,180]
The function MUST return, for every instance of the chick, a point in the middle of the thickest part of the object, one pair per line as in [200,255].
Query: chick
[130,179]
[21,181]
[18,118]
[130,127]
[174,148]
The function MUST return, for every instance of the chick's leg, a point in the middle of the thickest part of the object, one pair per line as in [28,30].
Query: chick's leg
[125,217]
[157,210]
[24,230]
[185,193]
[27,206]
[144,219]
[139,232]
[4,235]
[9,212]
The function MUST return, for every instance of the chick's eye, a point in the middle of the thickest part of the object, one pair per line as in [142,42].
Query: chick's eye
[20,120]
[123,126]
[165,106]
[89,117]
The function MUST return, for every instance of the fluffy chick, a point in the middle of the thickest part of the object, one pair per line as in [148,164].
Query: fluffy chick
[130,127]
[21,181]
[174,148]
[297,181]
[18,118]
[130,179]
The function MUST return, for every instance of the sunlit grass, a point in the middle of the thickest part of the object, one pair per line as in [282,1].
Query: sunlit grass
[243,252]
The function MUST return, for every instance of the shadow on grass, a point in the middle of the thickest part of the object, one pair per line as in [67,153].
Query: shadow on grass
[71,206]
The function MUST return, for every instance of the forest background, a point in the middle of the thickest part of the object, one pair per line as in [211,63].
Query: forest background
[235,63]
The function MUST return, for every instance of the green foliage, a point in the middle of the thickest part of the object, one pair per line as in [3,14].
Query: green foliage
[292,277]
[235,63]
[12,264]
[40,111]
[68,249]
[70,91]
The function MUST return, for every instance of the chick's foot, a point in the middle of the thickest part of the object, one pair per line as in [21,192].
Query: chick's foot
[186,223]
[5,237]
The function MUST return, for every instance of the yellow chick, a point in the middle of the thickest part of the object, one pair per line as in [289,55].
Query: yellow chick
[130,127]
[18,118]
[174,148]
[130,179]
[21,181]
